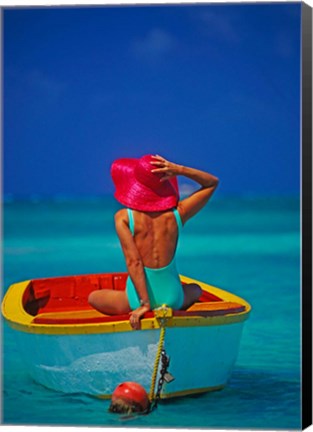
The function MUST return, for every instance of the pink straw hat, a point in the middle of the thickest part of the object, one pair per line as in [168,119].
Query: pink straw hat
[139,188]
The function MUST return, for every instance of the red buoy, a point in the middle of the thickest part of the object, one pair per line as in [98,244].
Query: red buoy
[129,397]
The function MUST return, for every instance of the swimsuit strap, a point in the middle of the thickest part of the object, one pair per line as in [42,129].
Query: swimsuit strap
[131,221]
[178,220]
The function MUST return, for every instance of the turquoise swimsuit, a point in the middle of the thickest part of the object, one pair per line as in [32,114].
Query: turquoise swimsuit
[163,284]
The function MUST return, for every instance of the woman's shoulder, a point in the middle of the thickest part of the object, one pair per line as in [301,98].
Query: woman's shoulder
[121,215]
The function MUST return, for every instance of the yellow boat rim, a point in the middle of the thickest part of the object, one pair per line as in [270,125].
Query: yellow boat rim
[17,318]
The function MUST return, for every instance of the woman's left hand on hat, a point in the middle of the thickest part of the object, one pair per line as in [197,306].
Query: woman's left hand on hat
[169,169]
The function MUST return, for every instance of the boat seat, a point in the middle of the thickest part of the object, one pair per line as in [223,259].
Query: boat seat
[91,316]
[69,293]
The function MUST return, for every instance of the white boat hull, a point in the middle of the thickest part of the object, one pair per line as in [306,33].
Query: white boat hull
[201,359]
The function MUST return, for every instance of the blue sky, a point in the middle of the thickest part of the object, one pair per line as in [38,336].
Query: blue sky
[214,86]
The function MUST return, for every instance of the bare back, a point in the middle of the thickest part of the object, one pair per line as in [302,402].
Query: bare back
[155,237]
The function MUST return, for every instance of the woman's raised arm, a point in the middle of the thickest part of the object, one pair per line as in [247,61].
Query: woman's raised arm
[189,206]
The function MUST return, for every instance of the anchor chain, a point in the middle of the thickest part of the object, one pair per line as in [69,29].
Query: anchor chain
[165,361]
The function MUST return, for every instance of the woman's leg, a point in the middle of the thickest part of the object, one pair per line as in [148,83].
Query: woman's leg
[192,292]
[110,302]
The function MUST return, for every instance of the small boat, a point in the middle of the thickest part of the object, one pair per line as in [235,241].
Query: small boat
[70,347]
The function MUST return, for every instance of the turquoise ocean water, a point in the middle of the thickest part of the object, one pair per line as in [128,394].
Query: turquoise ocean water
[249,246]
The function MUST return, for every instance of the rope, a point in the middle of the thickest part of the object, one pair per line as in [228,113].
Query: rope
[156,363]
[158,355]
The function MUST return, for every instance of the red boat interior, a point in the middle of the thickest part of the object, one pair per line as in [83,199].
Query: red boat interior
[64,300]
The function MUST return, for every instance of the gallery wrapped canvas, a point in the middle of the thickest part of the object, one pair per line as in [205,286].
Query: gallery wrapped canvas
[220,94]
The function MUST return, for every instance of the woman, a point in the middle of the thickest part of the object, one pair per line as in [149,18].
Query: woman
[148,230]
